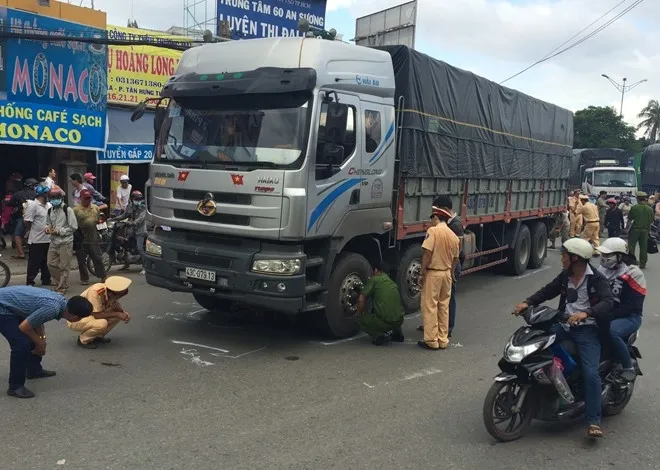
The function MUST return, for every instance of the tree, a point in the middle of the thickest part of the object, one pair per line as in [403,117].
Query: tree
[650,116]
[602,127]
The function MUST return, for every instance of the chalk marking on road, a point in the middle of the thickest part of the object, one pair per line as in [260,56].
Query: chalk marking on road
[193,356]
[531,273]
[415,375]
[186,343]
[358,336]
[240,355]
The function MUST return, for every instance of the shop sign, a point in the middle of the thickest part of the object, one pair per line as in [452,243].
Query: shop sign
[136,73]
[52,93]
[126,153]
[250,19]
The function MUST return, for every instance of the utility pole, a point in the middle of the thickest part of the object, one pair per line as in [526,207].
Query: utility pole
[623,88]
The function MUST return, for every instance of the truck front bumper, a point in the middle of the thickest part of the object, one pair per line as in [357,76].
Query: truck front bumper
[231,260]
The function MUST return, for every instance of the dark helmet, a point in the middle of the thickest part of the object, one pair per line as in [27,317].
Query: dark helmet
[30,182]
[137,196]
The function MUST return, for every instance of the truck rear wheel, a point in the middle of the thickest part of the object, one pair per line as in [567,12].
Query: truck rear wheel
[347,278]
[211,303]
[520,252]
[539,245]
[407,278]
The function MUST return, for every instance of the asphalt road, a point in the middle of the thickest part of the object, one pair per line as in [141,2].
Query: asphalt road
[179,388]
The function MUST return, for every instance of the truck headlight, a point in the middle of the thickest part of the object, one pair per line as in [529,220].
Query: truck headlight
[285,267]
[154,249]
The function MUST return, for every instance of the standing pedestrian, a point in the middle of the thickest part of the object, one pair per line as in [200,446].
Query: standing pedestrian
[575,217]
[602,209]
[19,202]
[613,219]
[625,207]
[23,312]
[36,215]
[560,229]
[589,213]
[123,194]
[61,225]
[440,254]
[640,219]
[50,179]
[87,216]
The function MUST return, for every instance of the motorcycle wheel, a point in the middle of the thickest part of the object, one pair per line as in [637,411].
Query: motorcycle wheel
[5,274]
[619,404]
[497,410]
[3,242]
[107,263]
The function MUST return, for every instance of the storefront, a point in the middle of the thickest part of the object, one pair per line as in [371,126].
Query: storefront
[53,94]
[129,151]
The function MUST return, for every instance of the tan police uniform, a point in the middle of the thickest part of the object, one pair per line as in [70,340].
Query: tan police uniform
[589,212]
[575,218]
[91,327]
[444,246]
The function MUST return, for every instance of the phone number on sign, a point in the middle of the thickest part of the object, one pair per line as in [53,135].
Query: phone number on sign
[124,98]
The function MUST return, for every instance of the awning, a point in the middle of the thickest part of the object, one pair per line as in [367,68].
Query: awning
[128,142]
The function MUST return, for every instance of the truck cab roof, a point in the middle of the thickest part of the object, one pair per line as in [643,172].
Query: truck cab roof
[343,65]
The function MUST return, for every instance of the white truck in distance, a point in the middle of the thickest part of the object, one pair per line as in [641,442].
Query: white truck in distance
[284,166]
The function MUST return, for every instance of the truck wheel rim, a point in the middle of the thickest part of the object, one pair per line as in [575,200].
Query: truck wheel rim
[349,292]
[412,277]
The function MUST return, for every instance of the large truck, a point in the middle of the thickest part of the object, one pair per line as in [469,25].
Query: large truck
[284,166]
[603,169]
[651,169]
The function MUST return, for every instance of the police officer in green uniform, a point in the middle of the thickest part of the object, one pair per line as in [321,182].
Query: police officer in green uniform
[640,219]
[383,321]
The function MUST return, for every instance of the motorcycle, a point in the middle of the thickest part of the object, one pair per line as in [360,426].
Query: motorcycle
[5,274]
[118,245]
[541,380]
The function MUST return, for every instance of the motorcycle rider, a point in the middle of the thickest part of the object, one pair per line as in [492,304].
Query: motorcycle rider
[586,299]
[629,290]
[136,212]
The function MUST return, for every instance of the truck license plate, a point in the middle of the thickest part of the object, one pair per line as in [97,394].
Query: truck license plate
[201,274]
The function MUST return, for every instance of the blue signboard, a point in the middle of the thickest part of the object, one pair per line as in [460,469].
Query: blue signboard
[126,153]
[52,93]
[249,19]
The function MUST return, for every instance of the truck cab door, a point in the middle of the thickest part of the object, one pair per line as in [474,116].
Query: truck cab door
[336,187]
[378,154]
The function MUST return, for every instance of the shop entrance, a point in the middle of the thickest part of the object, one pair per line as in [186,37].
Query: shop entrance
[30,162]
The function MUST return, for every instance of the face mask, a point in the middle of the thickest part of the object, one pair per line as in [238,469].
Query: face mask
[608,262]
[138,203]
[56,202]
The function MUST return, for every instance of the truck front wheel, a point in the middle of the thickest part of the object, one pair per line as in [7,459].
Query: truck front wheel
[211,303]
[407,278]
[346,281]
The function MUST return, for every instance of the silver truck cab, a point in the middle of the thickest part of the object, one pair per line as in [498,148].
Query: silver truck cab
[271,156]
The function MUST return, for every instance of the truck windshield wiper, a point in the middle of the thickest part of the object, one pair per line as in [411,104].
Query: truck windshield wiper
[264,164]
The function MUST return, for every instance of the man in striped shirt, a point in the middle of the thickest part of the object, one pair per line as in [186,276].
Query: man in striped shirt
[23,312]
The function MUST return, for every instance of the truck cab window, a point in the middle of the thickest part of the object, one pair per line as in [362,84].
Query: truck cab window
[349,139]
[372,129]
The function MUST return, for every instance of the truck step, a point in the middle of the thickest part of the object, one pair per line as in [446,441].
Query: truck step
[314,261]
[312,286]
[313,307]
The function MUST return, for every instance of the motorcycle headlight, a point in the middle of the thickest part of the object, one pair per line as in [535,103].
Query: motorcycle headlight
[287,267]
[516,354]
[153,249]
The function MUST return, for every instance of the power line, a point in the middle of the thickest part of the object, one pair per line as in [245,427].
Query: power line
[556,52]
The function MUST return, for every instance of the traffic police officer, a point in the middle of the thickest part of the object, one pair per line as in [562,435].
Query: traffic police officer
[589,213]
[575,218]
[440,255]
[640,219]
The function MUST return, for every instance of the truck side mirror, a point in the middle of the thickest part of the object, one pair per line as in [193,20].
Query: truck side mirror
[335,122]
[159,118]
[333,154]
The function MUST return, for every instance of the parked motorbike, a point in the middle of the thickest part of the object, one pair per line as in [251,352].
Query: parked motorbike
[5,274]
[118,245]
[541,379]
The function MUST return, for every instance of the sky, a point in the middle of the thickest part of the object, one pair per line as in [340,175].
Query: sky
[496,39]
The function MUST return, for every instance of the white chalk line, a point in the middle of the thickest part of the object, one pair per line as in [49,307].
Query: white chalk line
[415,375]
[240,355]
[360,335]
[531,273]
[186,343]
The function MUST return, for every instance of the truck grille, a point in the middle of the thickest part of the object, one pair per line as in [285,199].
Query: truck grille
[204,260]
[226,219]
[222,198]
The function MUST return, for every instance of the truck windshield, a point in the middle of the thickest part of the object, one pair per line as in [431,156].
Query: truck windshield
[256,137]
[614,178]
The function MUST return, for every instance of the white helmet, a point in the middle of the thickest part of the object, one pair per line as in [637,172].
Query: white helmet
[123,178]
[578,247]
[613,245]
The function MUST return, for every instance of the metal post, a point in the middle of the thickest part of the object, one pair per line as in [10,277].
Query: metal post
[623,93]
